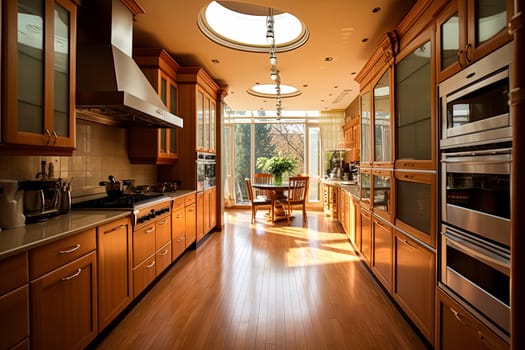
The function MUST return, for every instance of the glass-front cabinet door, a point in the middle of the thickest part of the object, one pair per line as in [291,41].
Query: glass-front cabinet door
[365,186]
[382,193]
[200,121]
[39,46]
[366,131]
[382,130]
[415,139]
[212,147]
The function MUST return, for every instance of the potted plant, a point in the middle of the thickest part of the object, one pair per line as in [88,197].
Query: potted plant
[277,166]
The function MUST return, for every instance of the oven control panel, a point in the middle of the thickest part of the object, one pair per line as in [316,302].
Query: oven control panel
[151,213]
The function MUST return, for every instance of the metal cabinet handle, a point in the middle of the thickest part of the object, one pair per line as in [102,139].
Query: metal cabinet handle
[48,134]
[150,230]
[162,222]
[151,265]
[456,314]
[72,276]
[119,227]
[179,216]
[408,243]
[163,253]
[55,136]
[467,51]
[69,250]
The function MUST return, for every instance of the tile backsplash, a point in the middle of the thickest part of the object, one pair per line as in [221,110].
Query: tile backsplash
[101,151]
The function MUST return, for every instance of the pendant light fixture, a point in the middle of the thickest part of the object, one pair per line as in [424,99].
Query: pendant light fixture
[274,72]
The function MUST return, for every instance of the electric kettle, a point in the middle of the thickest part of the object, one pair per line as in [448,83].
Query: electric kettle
[11,205]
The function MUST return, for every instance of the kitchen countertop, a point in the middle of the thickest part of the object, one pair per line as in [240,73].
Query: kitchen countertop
[349,186]
[23,238]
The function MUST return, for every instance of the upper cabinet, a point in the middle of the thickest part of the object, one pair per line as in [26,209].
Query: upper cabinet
[382,130]
[467,30]
[415,116]
[366,130]
[150,145]
[38,83]
[205,122]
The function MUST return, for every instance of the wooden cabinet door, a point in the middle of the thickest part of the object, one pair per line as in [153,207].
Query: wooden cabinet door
[459,330]
[64,306]
[162,232]
[415,282]
[115,280]
[382,255]
[178,232]
[366,236]
[143,243]
[39,104]
[200,216]
[206,211]
[143,275]
[14,322]
[162,258]
[190,212]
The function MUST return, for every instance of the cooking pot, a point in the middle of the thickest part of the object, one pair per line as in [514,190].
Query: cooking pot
[114,188]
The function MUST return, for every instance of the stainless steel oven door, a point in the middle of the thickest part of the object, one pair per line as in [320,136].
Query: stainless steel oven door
[479,273]
[476,192]
[474,104]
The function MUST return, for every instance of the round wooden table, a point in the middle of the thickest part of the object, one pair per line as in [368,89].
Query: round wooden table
[277,192]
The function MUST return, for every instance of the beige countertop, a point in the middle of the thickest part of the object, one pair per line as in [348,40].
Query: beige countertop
[349,186]
[23,238]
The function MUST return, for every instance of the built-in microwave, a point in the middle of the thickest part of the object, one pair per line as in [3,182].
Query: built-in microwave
[474,103]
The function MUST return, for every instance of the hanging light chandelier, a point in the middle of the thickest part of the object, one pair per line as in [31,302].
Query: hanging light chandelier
[274,72]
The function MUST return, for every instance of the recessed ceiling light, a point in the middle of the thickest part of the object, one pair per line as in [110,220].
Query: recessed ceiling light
[364,40]
[215,60]
[376,9]
[328,59]
[305,85]
[335,87]
[353,73]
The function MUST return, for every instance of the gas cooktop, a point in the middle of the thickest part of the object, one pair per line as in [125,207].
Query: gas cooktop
[127,201]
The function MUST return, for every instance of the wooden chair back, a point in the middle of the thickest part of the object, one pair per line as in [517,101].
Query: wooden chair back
[298,188]
[262,178]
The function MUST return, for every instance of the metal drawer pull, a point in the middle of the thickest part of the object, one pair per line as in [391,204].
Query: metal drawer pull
[72,276]
[163,253]
[55,136]
[408,244]
[151,265]
[179,216]
[163,222]
[456,314]
[150,230]
[69,250]
[119,227]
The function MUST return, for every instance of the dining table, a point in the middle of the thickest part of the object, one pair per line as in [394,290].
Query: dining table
[276,192]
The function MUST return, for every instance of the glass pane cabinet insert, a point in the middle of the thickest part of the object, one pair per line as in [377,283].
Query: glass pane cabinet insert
[413,107]
[382,129]
[366,152]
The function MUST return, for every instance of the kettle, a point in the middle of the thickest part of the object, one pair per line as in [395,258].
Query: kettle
[11,205]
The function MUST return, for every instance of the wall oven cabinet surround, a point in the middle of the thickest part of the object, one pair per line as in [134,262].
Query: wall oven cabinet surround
[206,163]
[150,145]
[382,193]
[476,193]
[479,273]
[38,82]
[467,30]
[416,205]
[474,103]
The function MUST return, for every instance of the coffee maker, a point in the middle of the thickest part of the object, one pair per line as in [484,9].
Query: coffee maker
[11,205]
[41,199]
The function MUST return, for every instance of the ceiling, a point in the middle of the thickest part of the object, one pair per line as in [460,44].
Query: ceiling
[337,29]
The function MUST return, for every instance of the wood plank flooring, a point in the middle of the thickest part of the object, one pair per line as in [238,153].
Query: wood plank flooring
[266,286]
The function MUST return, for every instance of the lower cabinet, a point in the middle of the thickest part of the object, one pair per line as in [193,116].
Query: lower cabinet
[382,244]
[115,280]
[64,306]
[415,282]
[457,329]
[366,235]
[178,228]
[200,216]
[14,303]
[143,275]
[190,212]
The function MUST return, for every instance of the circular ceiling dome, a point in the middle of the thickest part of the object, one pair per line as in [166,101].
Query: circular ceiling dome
[242,26]
[270,90]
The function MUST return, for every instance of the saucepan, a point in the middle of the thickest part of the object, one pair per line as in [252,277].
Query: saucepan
[114,188]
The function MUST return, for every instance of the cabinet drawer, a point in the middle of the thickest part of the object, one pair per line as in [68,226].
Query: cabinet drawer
[14,323]
[53,255]
[178,223]
[143,275]
[143,243]
[178,246]
[189,199]
[162,259]
[163,232]
[14,272]
[178,203]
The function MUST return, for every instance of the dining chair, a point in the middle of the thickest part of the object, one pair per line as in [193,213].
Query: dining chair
[257,202]
[297,195]
[262,178]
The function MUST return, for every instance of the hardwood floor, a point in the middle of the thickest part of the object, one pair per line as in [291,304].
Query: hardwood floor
[266,286]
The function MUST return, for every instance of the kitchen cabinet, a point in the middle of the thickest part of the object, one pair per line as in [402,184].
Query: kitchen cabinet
[468,30]
[365,226]
[416,205]
[63,291]
[415,282]
[382,193]
[366,128]
[352,137]
[200,216]
[151,249]
[178,228]
[330,202]
[381,121]
[415,127]
[14,302]
[190,211]
[150,145]
[457,329]
[115,279]
[382,245]
[206,109]
[210,209]
[365,188]
[38,81]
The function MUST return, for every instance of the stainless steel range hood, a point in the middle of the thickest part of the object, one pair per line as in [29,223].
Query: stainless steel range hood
[111,88]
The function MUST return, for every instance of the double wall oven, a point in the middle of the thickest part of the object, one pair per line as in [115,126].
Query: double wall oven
[206,163]
[476,154]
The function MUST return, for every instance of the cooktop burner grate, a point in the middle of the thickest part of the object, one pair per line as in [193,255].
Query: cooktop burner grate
[128,201]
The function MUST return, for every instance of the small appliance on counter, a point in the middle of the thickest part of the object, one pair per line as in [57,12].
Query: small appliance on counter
[11,205]
[41,199]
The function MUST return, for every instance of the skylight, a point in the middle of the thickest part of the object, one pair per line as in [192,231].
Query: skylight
[243,26]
